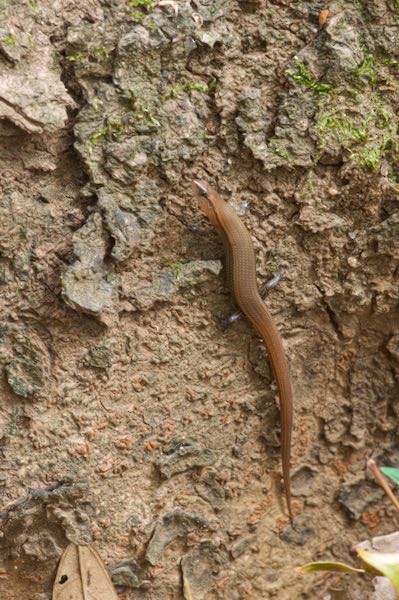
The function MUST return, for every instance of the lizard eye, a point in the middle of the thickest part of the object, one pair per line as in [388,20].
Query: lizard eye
[201,188]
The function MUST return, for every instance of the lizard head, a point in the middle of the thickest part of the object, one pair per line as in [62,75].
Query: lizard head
[208,200]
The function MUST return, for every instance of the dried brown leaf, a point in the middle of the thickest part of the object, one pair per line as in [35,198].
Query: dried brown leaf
[82,575]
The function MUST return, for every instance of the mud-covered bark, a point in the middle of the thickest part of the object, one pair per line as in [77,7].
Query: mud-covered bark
[118,385]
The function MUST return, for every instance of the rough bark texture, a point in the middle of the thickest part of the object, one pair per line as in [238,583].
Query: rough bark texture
[127,416]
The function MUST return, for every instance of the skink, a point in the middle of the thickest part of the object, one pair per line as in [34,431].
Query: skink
[241,276]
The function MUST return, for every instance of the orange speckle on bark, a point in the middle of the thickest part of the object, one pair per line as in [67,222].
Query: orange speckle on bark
[371,519]
[323,17]
[104,523]
[341,467]
[151,445]
[125,443]
[281,523]
[222,583]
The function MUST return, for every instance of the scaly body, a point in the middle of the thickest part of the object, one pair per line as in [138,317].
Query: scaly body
[241,275]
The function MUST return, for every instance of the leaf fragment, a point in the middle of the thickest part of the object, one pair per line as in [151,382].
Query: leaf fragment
[81,575]
[391,472]
[328,566]
[384,563]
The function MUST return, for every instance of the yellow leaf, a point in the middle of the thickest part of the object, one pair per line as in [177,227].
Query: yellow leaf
[187,589]
[328,566]
[385,563]
[82,575]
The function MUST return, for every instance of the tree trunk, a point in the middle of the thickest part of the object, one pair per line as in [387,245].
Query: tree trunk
[128,417]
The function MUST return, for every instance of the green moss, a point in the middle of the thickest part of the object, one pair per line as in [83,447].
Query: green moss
[148,4]
[366,137]
[151,25]
[141,110]
[10,40]
[367,71]
[383,118]
[138,15]
[278,149]
[100,53]
[389,62]
[342,129]
[304,77]
[75,57]
[153,120]
[369,157]
[112,126]
[138,114]
[132,99]
[174,266]
[33,5]
[184,88]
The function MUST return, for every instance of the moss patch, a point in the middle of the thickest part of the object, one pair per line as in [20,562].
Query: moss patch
[115,126]
[356,120]
[137,14]
[10,40]
[306,79]
[184,88]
